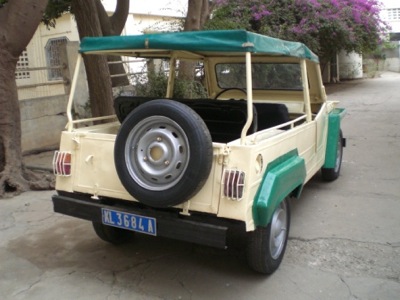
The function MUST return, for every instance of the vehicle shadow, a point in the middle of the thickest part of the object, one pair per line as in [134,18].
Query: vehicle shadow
[156,267]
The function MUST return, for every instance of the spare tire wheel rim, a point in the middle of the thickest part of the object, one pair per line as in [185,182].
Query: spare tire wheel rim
[157,153]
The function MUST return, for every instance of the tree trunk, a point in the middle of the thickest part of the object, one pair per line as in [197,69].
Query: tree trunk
[97,71]
[17,19]
[92,20]
[193,16]
[114,25]
[11,178]
[206,10]
[198,13]
[192,23]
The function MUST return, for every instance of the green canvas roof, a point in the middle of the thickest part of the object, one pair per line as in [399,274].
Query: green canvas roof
[200,42]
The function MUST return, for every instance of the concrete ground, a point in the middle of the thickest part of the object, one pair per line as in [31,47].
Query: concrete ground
[344,239]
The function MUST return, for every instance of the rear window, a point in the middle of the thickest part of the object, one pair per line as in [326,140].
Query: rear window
[266,76]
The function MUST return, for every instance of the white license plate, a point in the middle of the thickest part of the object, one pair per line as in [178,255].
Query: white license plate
[129,221]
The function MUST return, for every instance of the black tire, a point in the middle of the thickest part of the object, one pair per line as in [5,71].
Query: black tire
[111,234]
[163,153]
[331,174]
[266,245]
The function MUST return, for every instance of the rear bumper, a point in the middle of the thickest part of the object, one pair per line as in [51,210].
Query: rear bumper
[170,224]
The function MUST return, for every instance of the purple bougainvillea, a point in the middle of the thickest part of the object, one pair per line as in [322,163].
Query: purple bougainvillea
[259,11]
[326,26]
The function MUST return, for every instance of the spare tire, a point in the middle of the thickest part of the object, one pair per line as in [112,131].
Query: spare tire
[163,153]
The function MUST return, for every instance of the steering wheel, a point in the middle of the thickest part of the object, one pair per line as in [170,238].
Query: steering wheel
[229,89]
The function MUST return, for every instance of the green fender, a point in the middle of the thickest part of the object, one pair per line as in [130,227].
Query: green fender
[282,177]
[335,117]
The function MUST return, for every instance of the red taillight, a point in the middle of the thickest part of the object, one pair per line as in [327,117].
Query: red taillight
[62,163]
[233,184]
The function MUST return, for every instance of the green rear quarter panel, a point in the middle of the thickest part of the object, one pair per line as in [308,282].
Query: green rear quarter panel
[282,177]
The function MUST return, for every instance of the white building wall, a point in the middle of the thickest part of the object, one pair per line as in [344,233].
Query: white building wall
[160,8]
[391,14]
[393,22]
[65,27]
[350,65]
[149,16]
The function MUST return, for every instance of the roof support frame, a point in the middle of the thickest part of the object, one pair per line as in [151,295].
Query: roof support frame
[72,93]
[249,90]
[306,90]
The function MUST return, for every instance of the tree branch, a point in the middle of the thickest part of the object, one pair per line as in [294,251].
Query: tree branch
[118,19]
[105,23]
[206,10]
[16,17]
[115,24]
[192,21]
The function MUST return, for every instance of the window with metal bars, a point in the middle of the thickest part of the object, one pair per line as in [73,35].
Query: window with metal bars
[393,14]
[53,50]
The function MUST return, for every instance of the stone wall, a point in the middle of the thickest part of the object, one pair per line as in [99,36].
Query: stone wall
[42,120]
[392,64]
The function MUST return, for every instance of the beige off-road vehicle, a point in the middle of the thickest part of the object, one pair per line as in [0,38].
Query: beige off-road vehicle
[191,169]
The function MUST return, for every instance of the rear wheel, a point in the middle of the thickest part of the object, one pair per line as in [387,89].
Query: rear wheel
[266,245]
[111,234]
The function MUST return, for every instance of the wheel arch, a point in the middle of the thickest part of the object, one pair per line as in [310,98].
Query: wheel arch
[334,119]
[285,176]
